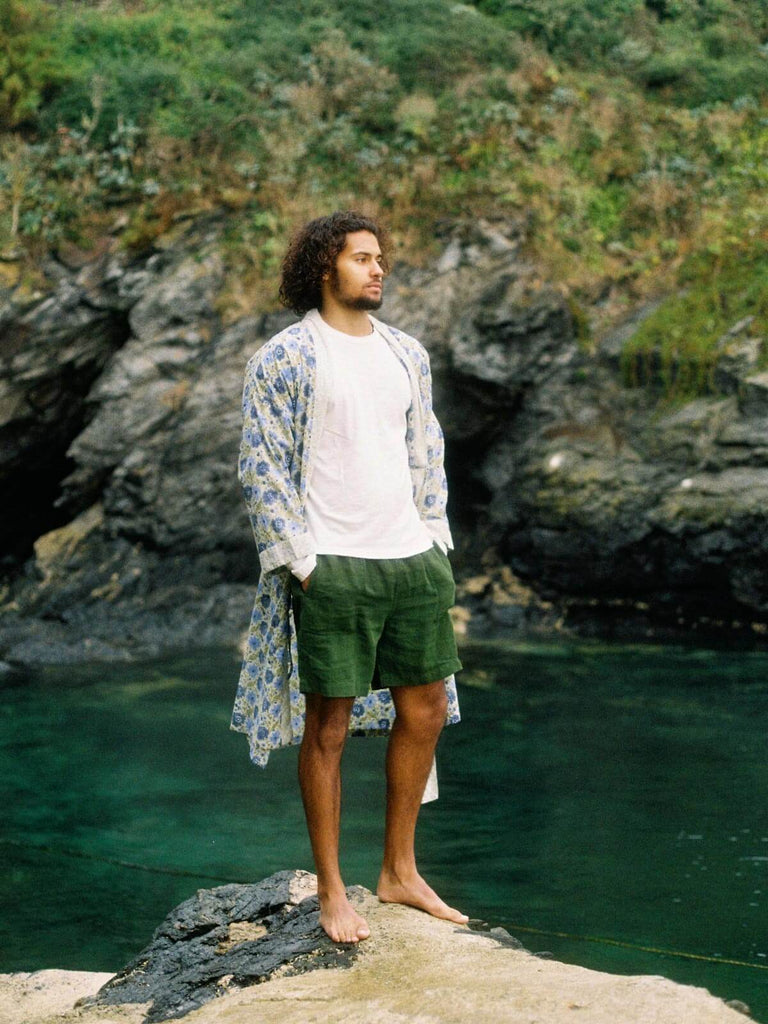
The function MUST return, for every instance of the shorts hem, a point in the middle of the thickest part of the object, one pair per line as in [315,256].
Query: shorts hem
[441,671]
[431,675]
[323,691]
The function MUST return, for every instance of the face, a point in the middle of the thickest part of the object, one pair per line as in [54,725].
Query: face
[358,278]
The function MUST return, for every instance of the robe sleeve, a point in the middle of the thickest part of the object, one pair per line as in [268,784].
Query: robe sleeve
[435,500]
[270,457]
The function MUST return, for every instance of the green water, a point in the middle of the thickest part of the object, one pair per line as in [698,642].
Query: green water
[608,793]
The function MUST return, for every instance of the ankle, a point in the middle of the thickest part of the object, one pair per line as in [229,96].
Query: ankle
[398,872]
[331,891]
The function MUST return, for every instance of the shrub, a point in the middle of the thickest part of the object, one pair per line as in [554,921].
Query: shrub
[26,68]
[675,349]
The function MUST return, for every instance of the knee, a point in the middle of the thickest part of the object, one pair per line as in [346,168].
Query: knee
[427,713]
[331,737]
[439,701]
[326,728]
[439,707]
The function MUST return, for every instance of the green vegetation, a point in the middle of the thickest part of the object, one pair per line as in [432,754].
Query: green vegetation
[25,67]
[675,349]
[634,133]
[694,51]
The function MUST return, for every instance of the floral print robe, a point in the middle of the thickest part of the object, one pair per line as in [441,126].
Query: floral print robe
[285,399]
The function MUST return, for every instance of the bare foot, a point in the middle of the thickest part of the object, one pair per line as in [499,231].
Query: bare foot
[415,892]
[340,921]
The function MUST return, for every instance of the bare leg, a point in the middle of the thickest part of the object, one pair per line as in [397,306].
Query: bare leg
[419,721]
[325,733]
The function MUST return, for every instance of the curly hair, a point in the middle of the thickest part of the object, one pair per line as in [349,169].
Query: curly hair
[313,251]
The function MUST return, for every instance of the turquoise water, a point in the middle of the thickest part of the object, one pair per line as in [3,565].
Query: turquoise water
[613,794]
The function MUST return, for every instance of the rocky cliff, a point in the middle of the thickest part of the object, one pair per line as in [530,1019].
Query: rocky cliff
[579,503]
[241,953]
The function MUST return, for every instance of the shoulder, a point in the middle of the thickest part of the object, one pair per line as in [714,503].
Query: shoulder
[287,350]
[412,346]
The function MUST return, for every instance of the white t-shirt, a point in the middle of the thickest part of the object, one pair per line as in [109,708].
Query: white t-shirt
[360,497]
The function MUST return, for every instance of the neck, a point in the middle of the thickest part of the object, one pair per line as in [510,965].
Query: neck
[349,321]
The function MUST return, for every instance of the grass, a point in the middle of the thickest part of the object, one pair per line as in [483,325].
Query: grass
[632,133]
[675,351]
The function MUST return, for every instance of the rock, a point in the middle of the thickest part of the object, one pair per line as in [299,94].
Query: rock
[739,1006]
[460,619]
[225,939]
[516,333]
[510,616]
[502,935]
[753,395]
[738,357]
[256,953]
[54,550]
[475,585]
[44,995]
[50,355]
[451,258]
[614,340]
[120,392]
[9,671]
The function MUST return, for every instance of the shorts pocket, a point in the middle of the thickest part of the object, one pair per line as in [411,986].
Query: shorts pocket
[443,577]
[297,584]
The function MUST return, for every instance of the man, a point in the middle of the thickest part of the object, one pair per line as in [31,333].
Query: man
[342,468]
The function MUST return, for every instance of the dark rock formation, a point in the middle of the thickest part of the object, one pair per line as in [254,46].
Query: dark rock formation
[628,514]
[52,351]
[575,498]
[223,940]
[140,539]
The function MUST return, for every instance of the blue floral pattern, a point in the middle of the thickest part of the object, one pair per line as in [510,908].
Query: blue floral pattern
[284,399]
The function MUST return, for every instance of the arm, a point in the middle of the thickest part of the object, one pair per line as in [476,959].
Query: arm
[270,453]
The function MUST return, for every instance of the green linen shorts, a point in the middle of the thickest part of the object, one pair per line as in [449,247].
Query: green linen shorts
[368,623]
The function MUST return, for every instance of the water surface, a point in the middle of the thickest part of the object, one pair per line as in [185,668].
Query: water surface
[614,795]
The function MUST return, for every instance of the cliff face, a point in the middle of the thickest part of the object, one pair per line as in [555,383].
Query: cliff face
[122,521]
[596,495]
[256,952]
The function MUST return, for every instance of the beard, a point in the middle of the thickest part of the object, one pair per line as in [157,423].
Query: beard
[356,302]
[363,302]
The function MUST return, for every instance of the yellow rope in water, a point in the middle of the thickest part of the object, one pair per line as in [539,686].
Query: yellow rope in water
[513,927]
[643,949]
[83,855]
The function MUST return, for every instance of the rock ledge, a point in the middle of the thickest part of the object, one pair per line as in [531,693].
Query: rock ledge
[241,953]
